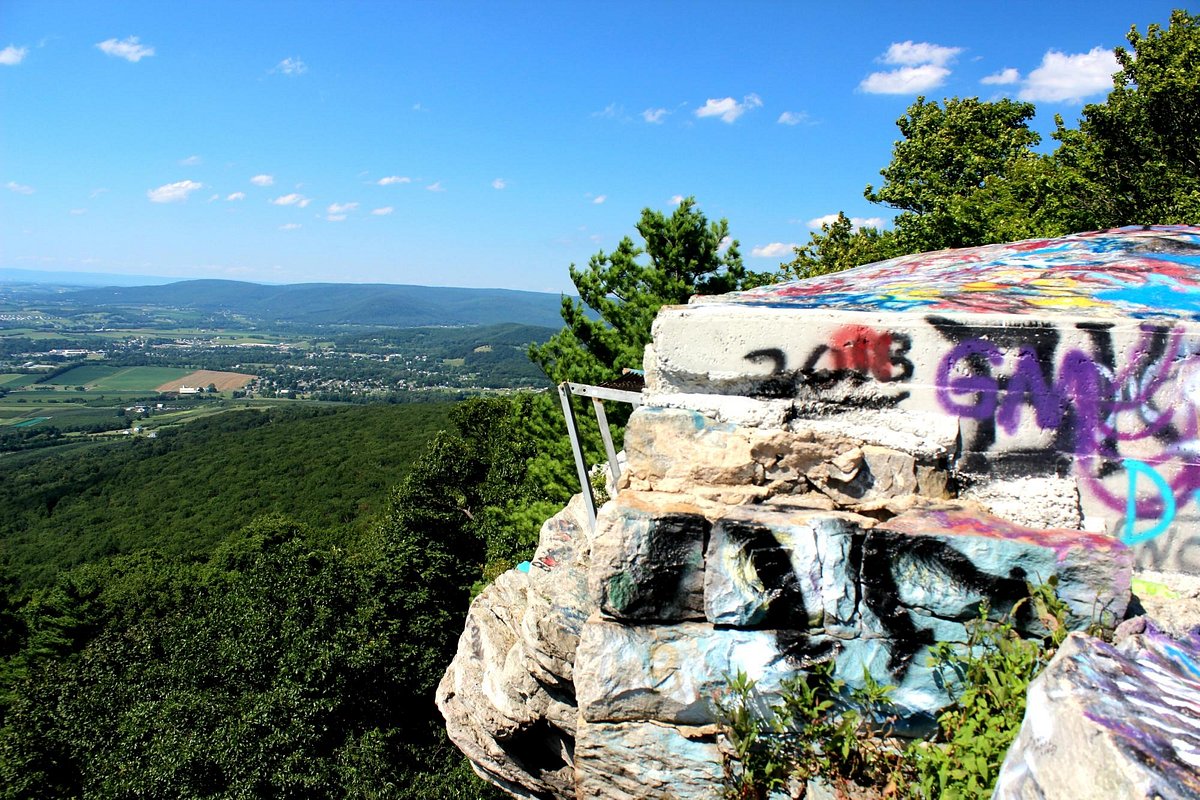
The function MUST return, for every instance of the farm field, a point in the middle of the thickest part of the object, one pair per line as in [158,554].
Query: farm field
[12,380]
[98,377]
[224,381]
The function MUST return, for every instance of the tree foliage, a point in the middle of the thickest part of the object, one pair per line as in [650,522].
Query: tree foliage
[1135,159]
[967,172]
[682,254]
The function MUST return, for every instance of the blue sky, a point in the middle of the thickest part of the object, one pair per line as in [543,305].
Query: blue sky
[482,143]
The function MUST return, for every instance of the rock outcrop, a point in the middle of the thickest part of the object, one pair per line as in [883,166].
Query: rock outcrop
[1105,721]
[844,469]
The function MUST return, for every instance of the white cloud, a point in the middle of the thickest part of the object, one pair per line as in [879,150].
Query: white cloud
[1002,78]
[13,55]
[772,250]
[78,212]
[190,161]
[335,217]
[610,111]
[263,180]
[922,66]
[291,226]
[19,188]
[214,197]
[727,109]
[499,183]
[341,208]
[436,186]
[906,80]
[291,66]
[390,179]
[855,222]
[128,49]
[292,200]
[173,192]
[655,116]
[1063,77]
[600,198]
[792,118]
[382,212]
[915,54]
[676,199]
[723,245]
[236,196]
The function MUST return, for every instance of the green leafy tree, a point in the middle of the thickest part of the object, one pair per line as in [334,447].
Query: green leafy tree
[682,254]
[946,174]
[840,245]
[1135,159]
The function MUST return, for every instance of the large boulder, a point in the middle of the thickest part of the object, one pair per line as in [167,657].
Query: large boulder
[1111,721]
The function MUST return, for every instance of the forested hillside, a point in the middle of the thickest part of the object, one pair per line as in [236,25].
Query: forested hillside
[240,651]
[328,468]
[326,304]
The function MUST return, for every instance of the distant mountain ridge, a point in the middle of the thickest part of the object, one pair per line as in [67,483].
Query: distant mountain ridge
[337,303]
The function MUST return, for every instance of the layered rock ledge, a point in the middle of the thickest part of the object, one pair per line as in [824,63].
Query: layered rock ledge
[844,469]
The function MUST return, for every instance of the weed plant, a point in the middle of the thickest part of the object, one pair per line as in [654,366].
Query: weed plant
[821,730]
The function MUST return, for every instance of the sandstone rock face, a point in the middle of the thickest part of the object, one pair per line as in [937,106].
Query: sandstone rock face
[1105,721]
[843,470]
[594,674]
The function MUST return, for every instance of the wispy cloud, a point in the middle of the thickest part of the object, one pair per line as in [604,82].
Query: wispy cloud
[292,200]
[292,67]
[499,183]
[13,55]
[97,192]
[599,199]
[78,212]
[236,196]
[392,179]
[793,118]
[190,161]
[263,180]
[727,109]
[291,226]
[173,192]
[19,188]
[1002,78]
[855,222]
[655,116]
[920,66]
[772,250]
[1070,78]
[610,111]
[340,208]
[436,186]
[382,212]
[335,217]
[676,199]
[128,48]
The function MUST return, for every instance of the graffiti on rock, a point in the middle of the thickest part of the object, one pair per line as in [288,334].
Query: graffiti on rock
[853,354]
[1136,414]
[1150,272]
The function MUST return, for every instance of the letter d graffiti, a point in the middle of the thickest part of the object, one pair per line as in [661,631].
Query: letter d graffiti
[1133,468]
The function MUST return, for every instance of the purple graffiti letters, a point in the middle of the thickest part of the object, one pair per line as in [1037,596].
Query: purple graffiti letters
[984,387]
[1028,385]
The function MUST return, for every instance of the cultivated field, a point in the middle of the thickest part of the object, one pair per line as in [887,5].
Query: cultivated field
[224,381]
[103,378]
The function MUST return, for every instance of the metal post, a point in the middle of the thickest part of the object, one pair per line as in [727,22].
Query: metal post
[614,468]
[564,395]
